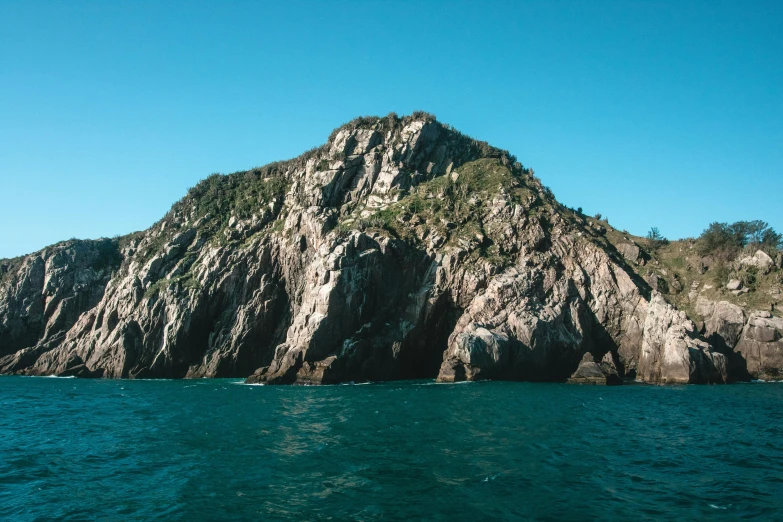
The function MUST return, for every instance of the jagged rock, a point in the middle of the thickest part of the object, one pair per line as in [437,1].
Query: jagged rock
[760,260]
[44,297]
[630,251]
[673,352]
[725,324]
[609,368]
[301,272]
[761,346]
[751,342]
[75,367]
[590,372]
[734,284]
[481,354]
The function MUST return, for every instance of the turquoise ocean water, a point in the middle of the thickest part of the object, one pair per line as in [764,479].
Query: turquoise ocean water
[220,450]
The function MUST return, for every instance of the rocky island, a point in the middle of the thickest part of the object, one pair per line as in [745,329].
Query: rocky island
[400,249]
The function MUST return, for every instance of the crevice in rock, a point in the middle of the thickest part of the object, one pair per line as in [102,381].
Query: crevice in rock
[738,365]
[432,339]
[258,347]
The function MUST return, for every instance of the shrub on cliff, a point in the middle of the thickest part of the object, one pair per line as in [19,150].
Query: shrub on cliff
[656,239]
[727,240]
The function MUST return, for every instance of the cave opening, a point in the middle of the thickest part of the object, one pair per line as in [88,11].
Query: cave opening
[423,358]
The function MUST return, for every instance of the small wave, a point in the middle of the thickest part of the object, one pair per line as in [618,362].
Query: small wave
[713,506]
[59,376]
[124,379]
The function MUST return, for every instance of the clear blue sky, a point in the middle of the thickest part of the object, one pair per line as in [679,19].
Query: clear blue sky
[666,114]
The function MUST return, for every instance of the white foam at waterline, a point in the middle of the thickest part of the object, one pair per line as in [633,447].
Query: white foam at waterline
[123,379]
[439,383]
[491,477]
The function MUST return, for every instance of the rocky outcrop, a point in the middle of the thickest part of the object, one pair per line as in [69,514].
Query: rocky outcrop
[673,352]
[631,252]
[752,342]
[591,372]
[759,260]
[399,249]
[535,321]
[761,346]
[44,294]
[725,322]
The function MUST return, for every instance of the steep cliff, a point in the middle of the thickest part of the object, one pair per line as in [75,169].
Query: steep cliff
[399,249]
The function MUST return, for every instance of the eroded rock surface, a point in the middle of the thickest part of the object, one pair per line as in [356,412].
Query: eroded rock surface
[591,372]
[752,341]
[399,249]
[673,352]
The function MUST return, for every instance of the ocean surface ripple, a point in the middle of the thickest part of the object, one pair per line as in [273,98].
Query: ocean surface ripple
[75,449]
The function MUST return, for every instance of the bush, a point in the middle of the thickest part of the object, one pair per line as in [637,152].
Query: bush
[720,274]
[726,241]
[656,239]
[423,115]
[750,278]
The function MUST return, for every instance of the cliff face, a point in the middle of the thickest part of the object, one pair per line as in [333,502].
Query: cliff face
[732,297]
[43,295]
[400,249]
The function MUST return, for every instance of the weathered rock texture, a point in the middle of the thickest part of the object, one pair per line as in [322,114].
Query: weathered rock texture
[672,351]
[591,372]
[400,249]
[752,341]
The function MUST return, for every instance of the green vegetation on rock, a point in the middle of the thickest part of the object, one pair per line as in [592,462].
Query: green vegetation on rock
[452,209]
[727,240]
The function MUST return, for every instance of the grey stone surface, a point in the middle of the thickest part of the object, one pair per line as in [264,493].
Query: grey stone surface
[307,289]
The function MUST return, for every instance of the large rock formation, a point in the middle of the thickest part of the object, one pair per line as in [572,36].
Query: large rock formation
[43,295]
[399,249]
[673,352]
[753,342]
[591,372]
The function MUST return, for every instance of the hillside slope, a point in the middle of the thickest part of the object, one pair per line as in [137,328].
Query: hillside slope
[732,298]
[399,249]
